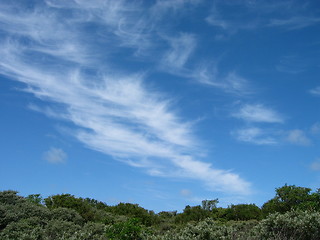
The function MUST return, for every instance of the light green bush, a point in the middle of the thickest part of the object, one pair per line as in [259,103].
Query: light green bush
[24,229]
[208,230]
[302,225]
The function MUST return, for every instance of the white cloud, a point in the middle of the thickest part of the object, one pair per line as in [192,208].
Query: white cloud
[229,19]
[229,26]
[112,111]
[294,23]
[215,179]
[181,48]
[260,136]
[215,21]
[258,113]
[231,83]
[254,135]
[315,91]
[298,137]
[55,156]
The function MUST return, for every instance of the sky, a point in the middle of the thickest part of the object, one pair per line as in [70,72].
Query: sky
[162,103]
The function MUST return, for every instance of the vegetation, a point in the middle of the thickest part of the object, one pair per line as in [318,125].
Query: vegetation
[294,213]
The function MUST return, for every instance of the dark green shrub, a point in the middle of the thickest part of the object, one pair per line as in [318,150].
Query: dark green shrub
[243,212]
[66,214]
[59,229]
[128,230]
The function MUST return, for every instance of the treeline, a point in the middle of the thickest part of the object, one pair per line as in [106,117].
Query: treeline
[294,213]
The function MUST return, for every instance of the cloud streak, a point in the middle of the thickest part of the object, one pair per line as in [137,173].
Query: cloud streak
[251,15]
[315,91]
[254,135]
[112,110]
[258,113]
[181,48]
[294,23]
[230,83]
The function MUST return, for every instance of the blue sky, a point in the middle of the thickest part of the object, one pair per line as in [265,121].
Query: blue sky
[161,103]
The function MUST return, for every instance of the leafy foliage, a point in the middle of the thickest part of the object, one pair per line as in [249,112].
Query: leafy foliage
[292,214]
[291,197]
[243,212]
[303,225]
[128,230]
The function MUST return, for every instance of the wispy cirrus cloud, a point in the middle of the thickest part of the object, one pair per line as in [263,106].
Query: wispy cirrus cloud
[230,83]
[229,25]
[181,48]
[271,136]
[255,135]
[294,23]
[112,110]
[258,113]
[315,91]
[254,114]
[232,17]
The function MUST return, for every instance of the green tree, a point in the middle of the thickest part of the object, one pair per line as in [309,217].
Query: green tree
[35,198]
[87,212]
[130,210]
[209,205]
[243,212]
[195,213]
[291,197]
[128,230]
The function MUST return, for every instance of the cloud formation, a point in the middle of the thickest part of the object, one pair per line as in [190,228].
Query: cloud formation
[298,137]
[113,110]
[254,135]
[258,113]
[294,23]
[315,91]
[181,47]
[230,17]
[230,83]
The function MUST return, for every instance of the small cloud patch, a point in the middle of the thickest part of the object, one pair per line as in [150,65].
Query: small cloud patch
[315,166]
[186,193]
[55,156]
[298,137]
[258,113]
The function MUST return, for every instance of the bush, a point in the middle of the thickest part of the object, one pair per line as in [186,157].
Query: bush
[208,230]
[128,230]
[59,229]
[24,229]
[303,225]
[10,197]
[66,214]
[91,231]
[21,210]
[243,212]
